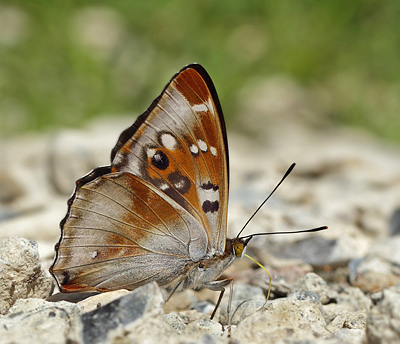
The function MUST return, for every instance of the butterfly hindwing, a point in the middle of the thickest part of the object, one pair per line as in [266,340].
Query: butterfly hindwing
[122,232]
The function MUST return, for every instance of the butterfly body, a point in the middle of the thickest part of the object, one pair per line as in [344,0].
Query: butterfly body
[159,211]
[209,269]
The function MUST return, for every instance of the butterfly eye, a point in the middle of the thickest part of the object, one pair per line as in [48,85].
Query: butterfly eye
[238,246]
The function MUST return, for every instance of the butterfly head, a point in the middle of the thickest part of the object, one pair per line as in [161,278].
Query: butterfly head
[239,246]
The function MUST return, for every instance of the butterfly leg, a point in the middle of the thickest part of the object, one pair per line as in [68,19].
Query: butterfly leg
[173,289]
[220,286]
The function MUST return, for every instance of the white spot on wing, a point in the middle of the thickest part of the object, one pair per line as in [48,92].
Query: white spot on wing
[210,106]
[94,254]
[194,149]
[213,151]
[204,107]
[179,184]
[169,141]
[202,145]
[151,152]
[163,187]
[209,195]
[200,107]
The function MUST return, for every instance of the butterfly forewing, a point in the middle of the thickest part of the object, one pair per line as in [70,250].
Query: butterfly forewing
[161,206]
[180,147]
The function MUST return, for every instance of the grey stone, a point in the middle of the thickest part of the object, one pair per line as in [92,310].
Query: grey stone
[247,292]
[354,298]
[394,223]
[312,282]
[176,322]
[297,317]
[246,300]
[190,316]
[38,321]
[151,328]
[318,251]
[180,301]
[111,320]
[351,336]
[374,273]
[240,309]
[96,301]
[32,305]
[203,326]
[205,339]
[383,322]
[305,296]
[350,327]
[205,307]
[379,268]
[346,300]
[387,249]
[282,276]
[21,273]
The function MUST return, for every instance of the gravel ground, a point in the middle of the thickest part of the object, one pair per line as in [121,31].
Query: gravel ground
[341,285]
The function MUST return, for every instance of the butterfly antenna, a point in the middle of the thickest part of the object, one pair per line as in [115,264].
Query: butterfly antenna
[317,229]
[290,169]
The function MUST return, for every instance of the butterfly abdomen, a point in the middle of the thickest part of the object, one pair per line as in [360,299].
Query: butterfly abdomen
[208,270]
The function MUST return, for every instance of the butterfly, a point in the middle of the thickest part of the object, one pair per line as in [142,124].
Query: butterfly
[158,212]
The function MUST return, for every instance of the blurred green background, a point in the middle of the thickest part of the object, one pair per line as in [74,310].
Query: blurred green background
[65,62]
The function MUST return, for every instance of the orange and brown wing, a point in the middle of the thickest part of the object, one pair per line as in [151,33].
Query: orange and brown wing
[121,232]
[179,145]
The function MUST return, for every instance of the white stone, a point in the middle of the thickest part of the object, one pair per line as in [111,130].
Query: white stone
[21,273]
